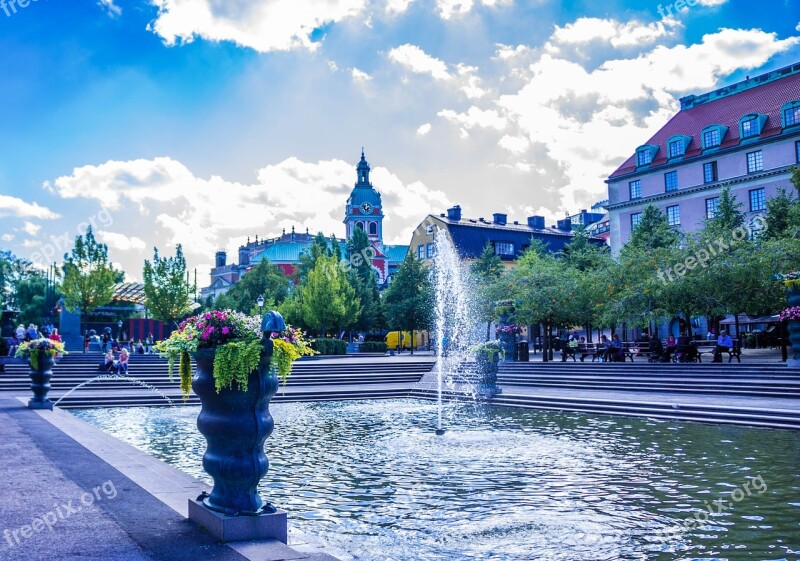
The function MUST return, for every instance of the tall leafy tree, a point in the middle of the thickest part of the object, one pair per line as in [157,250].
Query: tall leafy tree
[327,299]
[485,272]
[308,259]
[652,232]
[13,270]
[265,280]
[31,294]
[409,298]
[168,294]
[89,278]
[364,281]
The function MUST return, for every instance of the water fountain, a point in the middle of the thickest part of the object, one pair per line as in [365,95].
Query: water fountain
[130,379]
[455,328]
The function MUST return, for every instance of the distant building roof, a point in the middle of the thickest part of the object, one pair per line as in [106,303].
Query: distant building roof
[396,253]
[471,235]
[765,94]
[129,292]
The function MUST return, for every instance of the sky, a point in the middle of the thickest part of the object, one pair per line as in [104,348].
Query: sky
[205,122]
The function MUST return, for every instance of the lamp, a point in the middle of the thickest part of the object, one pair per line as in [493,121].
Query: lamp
[260,302]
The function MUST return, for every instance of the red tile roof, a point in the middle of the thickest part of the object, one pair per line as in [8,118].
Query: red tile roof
[727,109]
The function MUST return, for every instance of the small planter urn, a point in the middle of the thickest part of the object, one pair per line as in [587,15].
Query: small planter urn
[508,339]
[486,367]
[41,364]
[793,328]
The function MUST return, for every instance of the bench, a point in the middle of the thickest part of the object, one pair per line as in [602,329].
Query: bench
[710,347]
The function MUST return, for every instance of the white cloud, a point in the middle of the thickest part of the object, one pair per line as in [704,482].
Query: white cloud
[397,6]
[514,144]
[424,129]
[7,237]
[712,2]
[476,117]
[585,31]
[121,242]
[165,203]
[12,206]
[419,62]
[506,52]
[30,228]
[110,7]
[453,8]
[360,76]
[262,25]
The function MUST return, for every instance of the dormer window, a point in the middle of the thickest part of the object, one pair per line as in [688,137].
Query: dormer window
[676,146]
[791,114]
[750,126]
[713,135]
[645,154]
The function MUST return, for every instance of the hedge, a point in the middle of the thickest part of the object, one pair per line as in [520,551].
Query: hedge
[329,346]
[373,347]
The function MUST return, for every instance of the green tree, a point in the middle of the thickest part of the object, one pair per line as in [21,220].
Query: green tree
[727,218]
[485,272]
[265,280]
[88,276]
[13,270]
[30,295]
[652,232]
[327,299]
[409,298]
[168,294]
[364,281]
[308,259]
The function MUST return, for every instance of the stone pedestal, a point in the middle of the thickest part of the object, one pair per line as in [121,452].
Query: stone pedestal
[240,528]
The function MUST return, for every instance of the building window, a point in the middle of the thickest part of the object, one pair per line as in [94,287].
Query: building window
[757,200]
[373,228]
[635,189]
[710,172]
[643,157]
[750,127]
[755,161]
[360,225]
[429,251]
[420,251]
[711,138]
[791,116]
[636,217]
[797,150]
[674,215]
[671,181]
[504,248]
[676,148]
[712,205]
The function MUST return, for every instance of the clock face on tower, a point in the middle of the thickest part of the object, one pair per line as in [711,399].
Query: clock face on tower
[366,207]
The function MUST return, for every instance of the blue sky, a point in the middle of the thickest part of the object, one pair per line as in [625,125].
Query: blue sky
[203,122]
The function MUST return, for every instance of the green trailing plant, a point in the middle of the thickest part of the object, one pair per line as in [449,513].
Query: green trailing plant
[489,351]
[236,340]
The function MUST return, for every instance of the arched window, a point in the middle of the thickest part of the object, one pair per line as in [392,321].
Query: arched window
[373,228]
[360,225]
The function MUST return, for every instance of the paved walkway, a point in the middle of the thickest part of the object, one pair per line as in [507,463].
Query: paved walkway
[73,492]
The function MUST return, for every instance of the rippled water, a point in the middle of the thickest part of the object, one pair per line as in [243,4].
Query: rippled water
[371,479]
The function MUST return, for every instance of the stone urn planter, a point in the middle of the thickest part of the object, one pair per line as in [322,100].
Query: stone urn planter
[237,373]
[235,424]
[41,370]
[793,328]
[487,376]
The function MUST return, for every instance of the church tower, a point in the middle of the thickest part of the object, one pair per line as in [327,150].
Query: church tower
[364,209]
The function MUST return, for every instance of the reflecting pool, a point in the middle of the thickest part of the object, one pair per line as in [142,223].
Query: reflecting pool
[371,479]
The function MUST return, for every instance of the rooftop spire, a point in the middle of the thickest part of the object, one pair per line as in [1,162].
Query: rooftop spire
[363,171]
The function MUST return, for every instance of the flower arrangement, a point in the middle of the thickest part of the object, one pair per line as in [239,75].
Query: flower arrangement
[32,350]
[513,329]
[790,280]
[236,337]
[489,350]
[790,314]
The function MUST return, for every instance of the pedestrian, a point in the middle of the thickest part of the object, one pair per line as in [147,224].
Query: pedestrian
[148,343]
[122,363]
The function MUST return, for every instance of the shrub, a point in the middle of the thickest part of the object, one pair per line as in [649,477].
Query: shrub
[373,347]
[329,346]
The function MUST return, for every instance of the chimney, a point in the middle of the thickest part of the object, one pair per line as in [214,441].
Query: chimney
[500,219]
[221,258]
[244,254]
[454,213]
[536,222]
[564,225]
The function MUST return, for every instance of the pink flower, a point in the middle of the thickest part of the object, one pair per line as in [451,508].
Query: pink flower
[225,331]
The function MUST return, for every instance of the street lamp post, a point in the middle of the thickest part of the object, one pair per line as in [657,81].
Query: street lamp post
[260,303]
[119,330]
